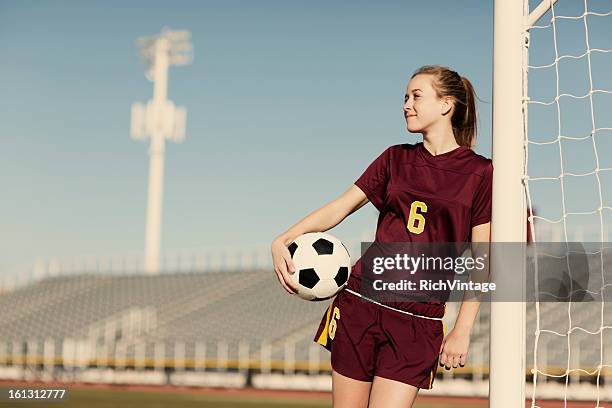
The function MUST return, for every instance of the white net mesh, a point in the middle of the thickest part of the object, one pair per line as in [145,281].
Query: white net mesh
[568,183]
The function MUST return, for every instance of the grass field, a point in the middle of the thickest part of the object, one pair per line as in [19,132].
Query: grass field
[151,399]
[117,396]
[113,398]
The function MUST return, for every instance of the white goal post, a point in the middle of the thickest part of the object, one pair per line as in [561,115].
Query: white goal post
[507,353]
[518,176]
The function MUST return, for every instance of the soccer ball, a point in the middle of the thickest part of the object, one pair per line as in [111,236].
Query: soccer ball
[322,265]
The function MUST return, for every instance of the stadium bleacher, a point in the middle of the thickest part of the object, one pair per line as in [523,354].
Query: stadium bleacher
[224,309]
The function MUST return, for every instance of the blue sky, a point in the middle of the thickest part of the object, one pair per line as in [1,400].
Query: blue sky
[287,102]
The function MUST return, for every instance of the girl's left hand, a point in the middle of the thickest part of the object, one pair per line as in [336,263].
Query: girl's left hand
[454,349]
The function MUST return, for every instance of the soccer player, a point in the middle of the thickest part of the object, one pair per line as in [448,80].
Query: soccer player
[438,190]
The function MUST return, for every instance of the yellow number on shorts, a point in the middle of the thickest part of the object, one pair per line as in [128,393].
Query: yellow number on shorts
[416,221]
[333,323]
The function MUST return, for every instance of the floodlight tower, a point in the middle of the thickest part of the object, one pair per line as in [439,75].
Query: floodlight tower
[159,120]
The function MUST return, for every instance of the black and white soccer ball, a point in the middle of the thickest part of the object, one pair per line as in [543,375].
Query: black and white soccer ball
[322,265]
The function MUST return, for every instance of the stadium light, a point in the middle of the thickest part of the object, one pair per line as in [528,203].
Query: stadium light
[159,119]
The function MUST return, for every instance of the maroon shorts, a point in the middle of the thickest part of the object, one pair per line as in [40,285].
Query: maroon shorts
[367,340]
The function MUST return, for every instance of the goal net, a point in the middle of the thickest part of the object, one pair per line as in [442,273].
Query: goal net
[567,179]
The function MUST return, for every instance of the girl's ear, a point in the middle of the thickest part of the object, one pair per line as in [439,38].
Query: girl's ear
[447,105]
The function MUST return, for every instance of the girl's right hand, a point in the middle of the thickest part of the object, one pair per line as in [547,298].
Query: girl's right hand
[283,265]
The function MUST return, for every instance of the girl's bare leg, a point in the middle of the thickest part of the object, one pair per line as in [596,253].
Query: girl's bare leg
[391,394]
[348,392]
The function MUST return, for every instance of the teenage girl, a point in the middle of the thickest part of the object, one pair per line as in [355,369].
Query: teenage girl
[437,190]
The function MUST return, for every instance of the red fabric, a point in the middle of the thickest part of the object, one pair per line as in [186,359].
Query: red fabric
[370,340]
[456,186]
[373,340]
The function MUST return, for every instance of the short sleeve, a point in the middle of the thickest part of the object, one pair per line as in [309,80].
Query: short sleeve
[483,198]
[373,181]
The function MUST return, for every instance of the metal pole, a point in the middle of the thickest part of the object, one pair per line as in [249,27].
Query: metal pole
[156,160]
[507,362]
[159,120]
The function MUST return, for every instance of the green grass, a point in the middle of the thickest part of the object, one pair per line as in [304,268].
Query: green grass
[153,399]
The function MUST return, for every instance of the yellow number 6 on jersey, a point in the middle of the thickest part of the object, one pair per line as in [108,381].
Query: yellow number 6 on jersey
[333,324]
[416,221]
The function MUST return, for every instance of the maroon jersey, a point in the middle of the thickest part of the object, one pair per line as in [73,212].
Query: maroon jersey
[426,198]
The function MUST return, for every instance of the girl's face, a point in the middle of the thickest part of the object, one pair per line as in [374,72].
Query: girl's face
[422,107]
